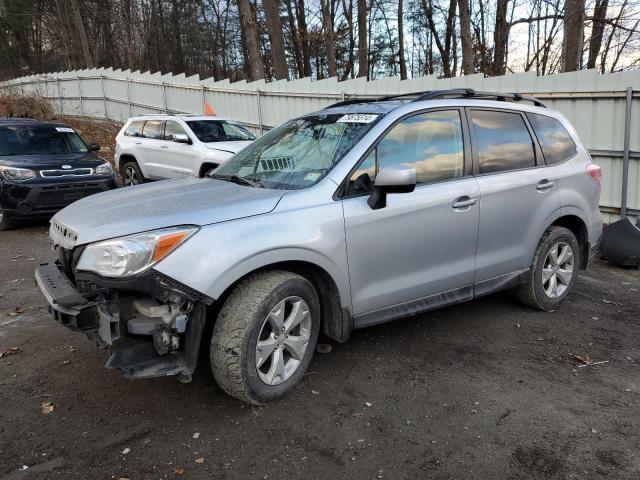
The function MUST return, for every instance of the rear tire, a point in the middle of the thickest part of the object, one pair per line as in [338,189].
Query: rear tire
[554,270]
[131,174]
[265,335]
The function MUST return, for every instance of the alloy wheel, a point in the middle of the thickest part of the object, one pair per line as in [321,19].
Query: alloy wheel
[557,269]
[130,177]
[283,340]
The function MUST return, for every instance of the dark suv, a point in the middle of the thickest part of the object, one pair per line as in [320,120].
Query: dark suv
[45,167]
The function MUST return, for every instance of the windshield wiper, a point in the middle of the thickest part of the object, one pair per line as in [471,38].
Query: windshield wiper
[236,179]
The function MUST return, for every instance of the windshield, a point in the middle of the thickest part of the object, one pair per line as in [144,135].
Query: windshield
[39,140]
[209,131]
[299,153]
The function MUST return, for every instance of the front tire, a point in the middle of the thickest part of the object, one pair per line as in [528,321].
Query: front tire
[554,270]
[265,335]
[131,174]
[6,223]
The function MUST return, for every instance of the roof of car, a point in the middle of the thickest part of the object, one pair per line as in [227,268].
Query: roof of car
[185,117]
[29,121]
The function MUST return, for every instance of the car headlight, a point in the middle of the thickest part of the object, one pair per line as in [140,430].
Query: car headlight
[104,169]
[130,255]
[14,173]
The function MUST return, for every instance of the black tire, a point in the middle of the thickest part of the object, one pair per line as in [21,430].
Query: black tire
[132,168]
[6,223]
[533,293]
[239,324]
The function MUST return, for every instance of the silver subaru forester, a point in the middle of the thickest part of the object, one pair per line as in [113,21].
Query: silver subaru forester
[361,213]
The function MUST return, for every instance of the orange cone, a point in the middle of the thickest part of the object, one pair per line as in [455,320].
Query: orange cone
[208,109]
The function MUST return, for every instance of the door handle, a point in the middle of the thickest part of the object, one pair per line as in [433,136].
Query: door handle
[544,185]
[164,146]
[464,202]
[138,143]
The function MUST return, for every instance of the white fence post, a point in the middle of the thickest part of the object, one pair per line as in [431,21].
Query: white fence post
[80,96]
[104,97]
[129,96]
[260,128]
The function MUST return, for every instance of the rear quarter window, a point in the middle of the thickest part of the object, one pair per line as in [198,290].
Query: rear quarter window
[134,129]
[556,143]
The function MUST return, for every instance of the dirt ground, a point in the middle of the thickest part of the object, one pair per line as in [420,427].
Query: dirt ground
[482,390]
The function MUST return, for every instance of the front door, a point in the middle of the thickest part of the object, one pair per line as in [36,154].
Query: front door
[422,243]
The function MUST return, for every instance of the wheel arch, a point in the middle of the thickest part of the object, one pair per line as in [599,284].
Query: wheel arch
[124,158]
[335,320]
[573,220]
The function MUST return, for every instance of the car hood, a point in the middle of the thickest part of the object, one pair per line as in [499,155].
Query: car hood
[190,201]
[40,162]
[230,147]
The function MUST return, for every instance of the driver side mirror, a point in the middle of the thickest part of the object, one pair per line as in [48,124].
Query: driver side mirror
[94,147]
[394,179]
[182,138]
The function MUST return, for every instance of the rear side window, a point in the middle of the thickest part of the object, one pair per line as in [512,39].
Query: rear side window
[134,129]
[556,143]
[503,141]
[153,129]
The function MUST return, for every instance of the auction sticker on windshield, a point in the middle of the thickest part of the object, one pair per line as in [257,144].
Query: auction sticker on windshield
[357,118]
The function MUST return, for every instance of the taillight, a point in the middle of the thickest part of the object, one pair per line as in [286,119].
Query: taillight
[595,172]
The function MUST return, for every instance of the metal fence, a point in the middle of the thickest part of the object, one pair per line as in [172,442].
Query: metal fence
[605,109]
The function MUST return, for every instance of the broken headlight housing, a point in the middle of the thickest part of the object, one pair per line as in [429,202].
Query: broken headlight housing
[133,254]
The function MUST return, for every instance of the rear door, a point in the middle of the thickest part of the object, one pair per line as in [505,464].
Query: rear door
[518,193]
[422,243]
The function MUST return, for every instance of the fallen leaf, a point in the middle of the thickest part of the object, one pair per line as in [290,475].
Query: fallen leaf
[10,351]
[46,407]
[179,471]
[367,404]
[15,311]
[315,392]
[146,440]
[126,450]
[199,460]
[196,435]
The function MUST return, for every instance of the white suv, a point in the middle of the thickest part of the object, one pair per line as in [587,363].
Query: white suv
[157,147]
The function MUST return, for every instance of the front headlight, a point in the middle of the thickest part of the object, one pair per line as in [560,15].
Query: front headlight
[126,256]
[14,173]
[104,169]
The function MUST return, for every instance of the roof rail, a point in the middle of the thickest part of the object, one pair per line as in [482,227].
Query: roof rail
[450,93]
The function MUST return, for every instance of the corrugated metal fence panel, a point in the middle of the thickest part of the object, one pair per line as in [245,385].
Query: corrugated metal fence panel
[594,103]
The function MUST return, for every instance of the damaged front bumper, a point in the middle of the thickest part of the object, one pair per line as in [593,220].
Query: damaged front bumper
[151,325]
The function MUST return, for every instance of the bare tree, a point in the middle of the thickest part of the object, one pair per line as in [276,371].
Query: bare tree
[597,31]
[500,38]
[465,37]
[363,54]
[249,27]
[328,38]
[274,27]
[77,20]
[573,38]
[401,60]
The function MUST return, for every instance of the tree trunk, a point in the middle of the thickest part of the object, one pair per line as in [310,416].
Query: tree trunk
[304,37]
[126,20]
[572,41]
[350,58]
[500,38]
[363,63]
[295,39]
[252,48]
[274,27]
[328,38]
[597,31]
[77,19]
[465,37]
[401,60]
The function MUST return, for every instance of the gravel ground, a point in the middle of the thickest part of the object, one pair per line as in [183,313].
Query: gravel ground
[484,390]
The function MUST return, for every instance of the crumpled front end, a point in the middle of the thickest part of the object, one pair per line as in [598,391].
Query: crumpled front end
[151,324]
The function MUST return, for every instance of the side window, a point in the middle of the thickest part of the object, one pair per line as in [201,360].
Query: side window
[430,142]
[503,141]
[153,129]
[556,143]
[172,128]
[134,129]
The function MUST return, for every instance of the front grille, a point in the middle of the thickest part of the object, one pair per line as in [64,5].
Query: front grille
[76,172]
[62,236]
[55,195]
